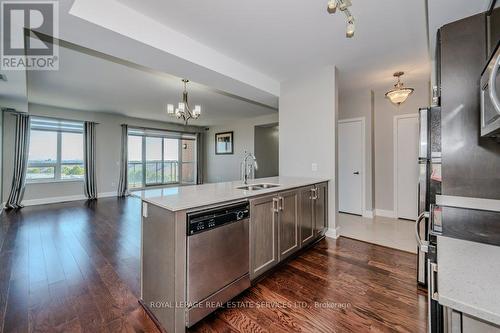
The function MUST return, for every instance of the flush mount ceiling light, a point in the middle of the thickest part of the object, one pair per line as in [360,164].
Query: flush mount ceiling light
[343,6]
[399,93]
[183,111]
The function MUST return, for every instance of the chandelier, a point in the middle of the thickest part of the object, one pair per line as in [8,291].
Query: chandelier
[183,111]
[343,6]
[399,93]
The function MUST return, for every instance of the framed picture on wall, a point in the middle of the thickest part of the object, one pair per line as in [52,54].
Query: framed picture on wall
[224,143]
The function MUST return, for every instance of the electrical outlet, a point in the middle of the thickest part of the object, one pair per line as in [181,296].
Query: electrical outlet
[314,167]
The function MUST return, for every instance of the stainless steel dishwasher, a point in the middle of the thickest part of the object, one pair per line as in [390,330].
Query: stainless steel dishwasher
[217,258]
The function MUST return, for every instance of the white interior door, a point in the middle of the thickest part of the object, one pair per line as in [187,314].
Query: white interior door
[350,155]
[406,166]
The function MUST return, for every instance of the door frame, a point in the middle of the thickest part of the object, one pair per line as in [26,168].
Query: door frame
[362,120]
[395,157]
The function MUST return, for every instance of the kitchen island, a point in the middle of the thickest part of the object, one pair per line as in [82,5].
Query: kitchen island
[196,239]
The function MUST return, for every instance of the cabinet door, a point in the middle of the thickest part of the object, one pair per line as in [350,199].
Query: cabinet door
[306,221]
[263,234]
[321,208]
[493,30]
[288,223]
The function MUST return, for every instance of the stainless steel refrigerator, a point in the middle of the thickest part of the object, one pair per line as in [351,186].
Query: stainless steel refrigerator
[429,184]
[470,178]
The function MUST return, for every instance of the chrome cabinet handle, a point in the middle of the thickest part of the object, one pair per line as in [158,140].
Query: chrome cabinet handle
[275,205]
[282,203]
[314,191]
[422,244]
[493,85]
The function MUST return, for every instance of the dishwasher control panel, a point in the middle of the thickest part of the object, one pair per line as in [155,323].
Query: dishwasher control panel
[205,220]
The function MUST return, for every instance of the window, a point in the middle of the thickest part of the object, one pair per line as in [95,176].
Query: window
[55,151]
[160,157]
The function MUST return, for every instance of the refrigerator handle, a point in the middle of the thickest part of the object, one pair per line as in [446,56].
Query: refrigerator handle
[422,244]
[432,281]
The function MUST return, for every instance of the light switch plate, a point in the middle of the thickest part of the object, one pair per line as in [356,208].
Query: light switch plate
[314,167]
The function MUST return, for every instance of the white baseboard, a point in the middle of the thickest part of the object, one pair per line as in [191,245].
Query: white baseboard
[368,214]
[67,198]
[333,233]
[385,213]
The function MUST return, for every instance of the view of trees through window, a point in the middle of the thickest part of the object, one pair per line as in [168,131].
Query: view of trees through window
[55,151]
[154,160]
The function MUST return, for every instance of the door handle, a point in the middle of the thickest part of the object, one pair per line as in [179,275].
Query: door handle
[356,173]
[493,85]
[422,244]
[282,203]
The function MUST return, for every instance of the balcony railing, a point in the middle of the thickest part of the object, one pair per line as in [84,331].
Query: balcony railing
[157,172]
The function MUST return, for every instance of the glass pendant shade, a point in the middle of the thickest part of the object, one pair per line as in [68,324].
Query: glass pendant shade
[400,93]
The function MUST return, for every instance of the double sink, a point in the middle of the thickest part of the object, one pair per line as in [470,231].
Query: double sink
[256,187]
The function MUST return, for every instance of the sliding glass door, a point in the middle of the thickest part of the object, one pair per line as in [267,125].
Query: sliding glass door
[160,158]
[135,162]
[154,161]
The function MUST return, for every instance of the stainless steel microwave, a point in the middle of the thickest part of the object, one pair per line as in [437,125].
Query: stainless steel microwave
[490,102]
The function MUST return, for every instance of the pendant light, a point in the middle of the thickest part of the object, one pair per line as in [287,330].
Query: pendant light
[399,93]
[184,111]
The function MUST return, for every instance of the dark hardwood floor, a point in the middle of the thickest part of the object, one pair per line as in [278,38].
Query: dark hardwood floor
[75,267]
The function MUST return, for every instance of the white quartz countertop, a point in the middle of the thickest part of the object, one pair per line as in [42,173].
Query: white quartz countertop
[193,196]
[468,276]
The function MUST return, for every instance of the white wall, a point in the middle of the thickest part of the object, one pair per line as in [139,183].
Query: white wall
[108,135]
[379,115]
[307,134]
[358,104]
[221,168]
[384,144]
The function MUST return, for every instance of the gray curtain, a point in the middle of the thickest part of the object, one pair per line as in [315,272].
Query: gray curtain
[200,152]
[21,150]
[123,182]
[89,147]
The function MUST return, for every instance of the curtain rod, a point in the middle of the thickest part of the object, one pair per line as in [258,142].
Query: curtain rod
[35,115]
[159,129]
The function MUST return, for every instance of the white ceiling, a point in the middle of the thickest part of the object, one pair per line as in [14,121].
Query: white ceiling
[96,83]
[283,37]
[242,47]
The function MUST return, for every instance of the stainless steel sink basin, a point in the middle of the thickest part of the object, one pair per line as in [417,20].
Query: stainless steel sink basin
[256,187]
[268,185]
[250,188]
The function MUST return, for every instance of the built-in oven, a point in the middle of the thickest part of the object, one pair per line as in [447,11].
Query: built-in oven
[490,102]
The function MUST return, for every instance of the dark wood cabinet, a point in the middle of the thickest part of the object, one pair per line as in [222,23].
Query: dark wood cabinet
[288,223]
[306,215]
[263,234]
[493,30]
[466,157]
[320,201]
[283,222]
